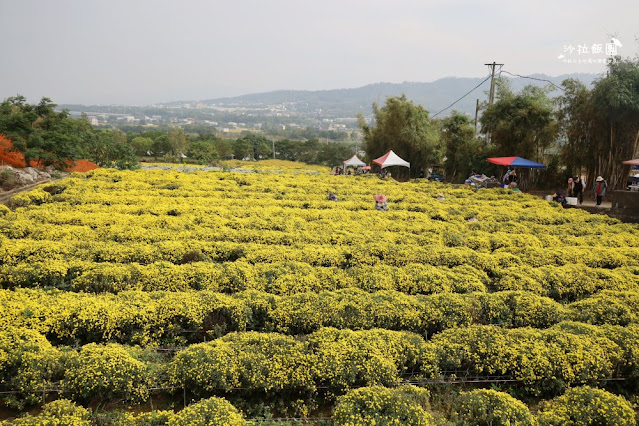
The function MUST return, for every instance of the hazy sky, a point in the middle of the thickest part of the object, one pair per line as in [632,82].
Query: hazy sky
[145,51]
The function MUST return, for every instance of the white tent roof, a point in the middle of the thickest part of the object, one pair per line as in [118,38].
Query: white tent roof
[354,161]
[391,159]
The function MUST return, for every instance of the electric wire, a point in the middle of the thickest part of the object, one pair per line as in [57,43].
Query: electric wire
[471,91]
[533,78]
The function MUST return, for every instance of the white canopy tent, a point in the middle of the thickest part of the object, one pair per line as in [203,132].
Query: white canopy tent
[354,161]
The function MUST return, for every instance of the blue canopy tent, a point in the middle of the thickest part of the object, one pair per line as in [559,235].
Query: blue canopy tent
[516,162]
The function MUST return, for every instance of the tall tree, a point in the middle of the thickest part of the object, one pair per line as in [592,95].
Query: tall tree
[616,103]
[577,126]
[463,151]
[405,128]
[178,142]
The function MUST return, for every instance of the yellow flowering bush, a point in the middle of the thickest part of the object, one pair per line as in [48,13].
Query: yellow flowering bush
[59,412]
[485,407]
[211,411]
[28,364]
[585,406]
[24,199]
[377,405]
[106,372]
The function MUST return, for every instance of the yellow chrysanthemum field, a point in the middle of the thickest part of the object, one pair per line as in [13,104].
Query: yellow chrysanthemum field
[253,287]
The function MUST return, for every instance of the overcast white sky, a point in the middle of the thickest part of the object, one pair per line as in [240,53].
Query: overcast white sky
[145,51]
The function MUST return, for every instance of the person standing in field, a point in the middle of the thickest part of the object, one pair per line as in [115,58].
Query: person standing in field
[570,191]
[599,189]
[579,189]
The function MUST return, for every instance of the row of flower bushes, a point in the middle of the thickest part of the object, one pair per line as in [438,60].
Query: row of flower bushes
[187,317]
[392,252]
[543,362]
[377,405]
[563,283]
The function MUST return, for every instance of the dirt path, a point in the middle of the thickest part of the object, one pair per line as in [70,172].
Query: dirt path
[6,196]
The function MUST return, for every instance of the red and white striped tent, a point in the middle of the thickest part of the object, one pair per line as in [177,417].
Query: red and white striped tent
[391,159]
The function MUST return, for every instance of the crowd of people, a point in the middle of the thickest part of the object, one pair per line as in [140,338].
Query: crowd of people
[576,188]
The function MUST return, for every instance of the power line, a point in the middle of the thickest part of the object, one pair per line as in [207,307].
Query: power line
[534,78]
[471,91]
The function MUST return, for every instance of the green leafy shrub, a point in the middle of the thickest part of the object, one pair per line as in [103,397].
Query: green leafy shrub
[8,180]
[377,405]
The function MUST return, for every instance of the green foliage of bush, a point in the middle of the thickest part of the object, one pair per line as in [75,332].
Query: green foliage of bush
[8,180]
[484,407]
[584,406]
[377,405]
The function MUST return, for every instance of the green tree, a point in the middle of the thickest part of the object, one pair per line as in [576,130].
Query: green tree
[141,145]
[109,148]
[203,151]
[177,141]
[576,118]
[242,148]
[257,146]
[463,151]
[161,145]
[406,129]
[334,153]
[224,148]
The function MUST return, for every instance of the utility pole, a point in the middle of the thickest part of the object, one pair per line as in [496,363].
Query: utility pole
[476,113]
[491,97]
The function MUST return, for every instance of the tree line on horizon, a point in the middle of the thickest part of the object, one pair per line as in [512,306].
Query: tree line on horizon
[583,131]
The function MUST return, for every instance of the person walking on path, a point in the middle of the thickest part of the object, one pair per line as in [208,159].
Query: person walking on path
[599,189]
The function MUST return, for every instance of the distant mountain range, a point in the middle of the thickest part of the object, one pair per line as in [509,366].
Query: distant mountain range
[434,96]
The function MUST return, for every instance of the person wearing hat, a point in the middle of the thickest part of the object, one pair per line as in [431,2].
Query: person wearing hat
[599,189]
[571,188]
[380,202]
